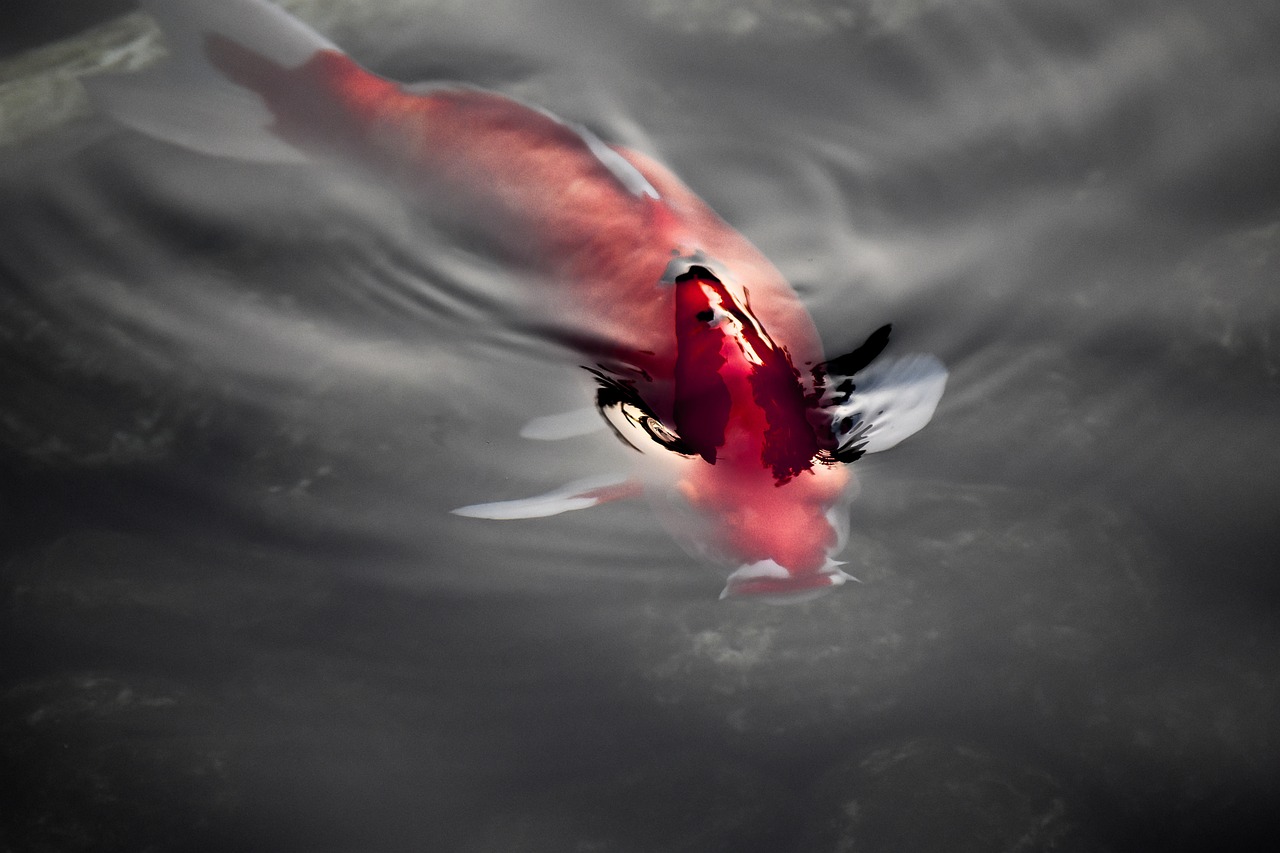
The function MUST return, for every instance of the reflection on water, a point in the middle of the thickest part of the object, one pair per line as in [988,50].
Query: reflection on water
[241,399]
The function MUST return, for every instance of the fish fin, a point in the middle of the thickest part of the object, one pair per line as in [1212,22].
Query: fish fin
[187,101]
[851,362]
[879,406]
[632,421]
[579,494]
[564,425]
[627,175]
[771,583]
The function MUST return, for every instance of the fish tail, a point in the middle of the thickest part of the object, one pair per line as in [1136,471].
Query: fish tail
[194,98]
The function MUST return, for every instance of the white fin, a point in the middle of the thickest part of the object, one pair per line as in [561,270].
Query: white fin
[892,399]
[565,425]
[628,175]
[186,101]
[579,494]
[625,173]
[785,588]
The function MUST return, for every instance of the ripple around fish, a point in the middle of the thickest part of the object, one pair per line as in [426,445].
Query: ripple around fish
[240,401]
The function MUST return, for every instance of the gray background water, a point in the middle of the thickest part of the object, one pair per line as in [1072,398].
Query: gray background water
[238,401]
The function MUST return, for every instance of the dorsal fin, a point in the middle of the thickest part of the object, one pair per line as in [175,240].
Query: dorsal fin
[628,175]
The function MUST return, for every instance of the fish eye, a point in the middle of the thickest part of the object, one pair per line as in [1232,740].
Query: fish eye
[705,316]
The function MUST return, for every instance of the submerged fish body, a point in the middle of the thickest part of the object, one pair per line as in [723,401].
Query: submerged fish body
[702,350]
[741,407]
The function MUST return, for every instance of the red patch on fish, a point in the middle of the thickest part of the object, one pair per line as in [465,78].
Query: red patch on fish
[737,394]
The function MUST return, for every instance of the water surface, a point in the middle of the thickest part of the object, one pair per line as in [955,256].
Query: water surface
[240,399]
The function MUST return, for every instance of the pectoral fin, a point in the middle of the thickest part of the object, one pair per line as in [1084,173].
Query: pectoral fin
[631,419]
[883,404]
[579,494]
[851,362]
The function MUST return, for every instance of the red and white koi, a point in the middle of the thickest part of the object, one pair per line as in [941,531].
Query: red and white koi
[704,355]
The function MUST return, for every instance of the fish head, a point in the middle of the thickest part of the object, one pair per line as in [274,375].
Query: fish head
[737,465]
[758,496]
[778,540]
[737,398]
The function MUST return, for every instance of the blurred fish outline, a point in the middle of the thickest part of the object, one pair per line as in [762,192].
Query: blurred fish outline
[705,359]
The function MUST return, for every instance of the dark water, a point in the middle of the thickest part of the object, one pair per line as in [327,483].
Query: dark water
[239,400]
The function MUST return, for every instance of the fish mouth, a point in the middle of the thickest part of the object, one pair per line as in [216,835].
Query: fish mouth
[772,583]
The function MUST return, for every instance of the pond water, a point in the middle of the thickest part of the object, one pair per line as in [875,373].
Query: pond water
[240,399]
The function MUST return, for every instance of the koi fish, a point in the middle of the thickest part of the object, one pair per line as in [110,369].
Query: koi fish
[704,358]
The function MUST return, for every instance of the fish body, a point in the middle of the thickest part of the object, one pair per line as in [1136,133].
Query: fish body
[540,186]
[700,346]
